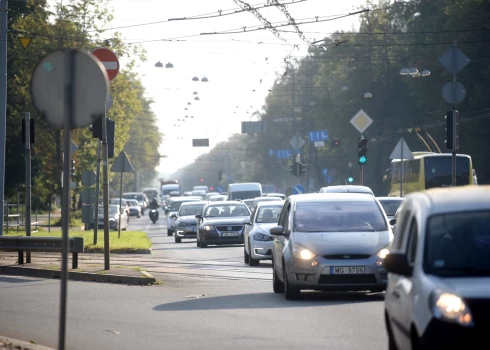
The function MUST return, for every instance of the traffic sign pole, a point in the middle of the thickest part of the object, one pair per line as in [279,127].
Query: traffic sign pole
[3,103]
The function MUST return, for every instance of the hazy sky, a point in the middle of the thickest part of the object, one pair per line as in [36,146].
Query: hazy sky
[241,67]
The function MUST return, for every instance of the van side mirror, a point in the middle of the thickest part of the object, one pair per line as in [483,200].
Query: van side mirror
[392,222]
[277,231]
[397,263]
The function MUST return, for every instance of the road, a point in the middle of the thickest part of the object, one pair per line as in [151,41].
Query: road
[209,300]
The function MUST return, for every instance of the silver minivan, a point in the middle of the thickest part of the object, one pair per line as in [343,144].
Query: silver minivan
[334,241]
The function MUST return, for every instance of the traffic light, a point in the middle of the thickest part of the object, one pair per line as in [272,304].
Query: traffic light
[301,169]
[72,168]
[32,136]
[96,129]
[293,168]
[335,143]
[201,179]
[452,119]
[111,128]
[362,150]
[220,175]
[350,179]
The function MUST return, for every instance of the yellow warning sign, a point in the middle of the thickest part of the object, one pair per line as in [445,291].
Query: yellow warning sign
[25,42]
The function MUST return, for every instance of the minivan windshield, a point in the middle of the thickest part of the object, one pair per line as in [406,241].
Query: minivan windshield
[458,245]
[339,216]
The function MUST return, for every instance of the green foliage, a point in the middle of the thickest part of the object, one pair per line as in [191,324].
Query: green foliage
[74,24]
[325,89]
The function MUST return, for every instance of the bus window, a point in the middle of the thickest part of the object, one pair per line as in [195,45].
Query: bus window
[438,171]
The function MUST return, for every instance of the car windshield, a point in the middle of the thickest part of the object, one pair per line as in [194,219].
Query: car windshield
[458,245]
[112,210]
[391,206]
[268,214]
[188,210]
[138,197]
[228,210]
[339,216]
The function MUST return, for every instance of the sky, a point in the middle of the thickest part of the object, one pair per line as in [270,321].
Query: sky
[240,67]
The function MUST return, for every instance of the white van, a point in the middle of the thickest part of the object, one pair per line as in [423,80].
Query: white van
[249,190]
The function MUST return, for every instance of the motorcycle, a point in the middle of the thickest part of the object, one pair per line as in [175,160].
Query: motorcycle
[153,215]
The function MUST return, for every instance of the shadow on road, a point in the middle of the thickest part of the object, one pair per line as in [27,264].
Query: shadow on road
[267,301]
[15,280]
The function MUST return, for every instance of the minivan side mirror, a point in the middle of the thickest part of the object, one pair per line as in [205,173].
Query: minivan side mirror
[397,263]
[393,222]
[277,231]
[199,216]
[247,221]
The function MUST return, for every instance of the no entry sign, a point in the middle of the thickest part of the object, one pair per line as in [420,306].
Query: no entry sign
[109,60]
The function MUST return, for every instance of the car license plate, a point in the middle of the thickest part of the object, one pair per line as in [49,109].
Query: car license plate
[231,234]
[347,270]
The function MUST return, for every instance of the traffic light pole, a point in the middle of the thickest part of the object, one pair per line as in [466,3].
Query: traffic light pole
[362,175]
[27,118]
[297,172]
[454,119]
[105,192]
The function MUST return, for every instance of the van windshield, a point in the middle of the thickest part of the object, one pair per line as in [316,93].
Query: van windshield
[236,195]
[339,216]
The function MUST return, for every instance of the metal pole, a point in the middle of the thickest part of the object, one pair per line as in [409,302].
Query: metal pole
[120,204]
[401,170]
[65,215]
[362,175]
[454,117]
[3,103]
[105,192]
[49,214]
[97,189]
[27,157]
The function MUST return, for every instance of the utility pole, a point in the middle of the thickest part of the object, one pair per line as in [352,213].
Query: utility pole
[97,191]
[105,192]
[3,103]
[27,135]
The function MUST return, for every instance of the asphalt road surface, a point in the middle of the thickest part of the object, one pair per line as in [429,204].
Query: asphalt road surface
[209,299]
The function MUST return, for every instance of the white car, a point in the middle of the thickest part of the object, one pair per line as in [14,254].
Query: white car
[438,293]
[257,238]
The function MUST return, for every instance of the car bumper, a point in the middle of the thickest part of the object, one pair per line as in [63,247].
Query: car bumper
[443,335]
[134,212]
[260,250]
[220,239]
[320,274]
[186,232]
[112,224]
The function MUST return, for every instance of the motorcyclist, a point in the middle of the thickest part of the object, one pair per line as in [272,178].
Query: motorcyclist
[154,204]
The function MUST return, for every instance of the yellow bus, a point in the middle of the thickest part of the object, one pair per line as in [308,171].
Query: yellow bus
[428,170]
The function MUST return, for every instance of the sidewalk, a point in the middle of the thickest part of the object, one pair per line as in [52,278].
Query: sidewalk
[90,268]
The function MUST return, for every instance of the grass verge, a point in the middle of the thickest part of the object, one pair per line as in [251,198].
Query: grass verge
[130,241]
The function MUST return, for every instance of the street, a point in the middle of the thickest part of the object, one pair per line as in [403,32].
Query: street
[209,299]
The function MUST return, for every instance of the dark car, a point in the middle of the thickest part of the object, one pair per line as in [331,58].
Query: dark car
[221,223]
[185,220]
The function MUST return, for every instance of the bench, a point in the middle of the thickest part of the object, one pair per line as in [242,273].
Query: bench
[41,244]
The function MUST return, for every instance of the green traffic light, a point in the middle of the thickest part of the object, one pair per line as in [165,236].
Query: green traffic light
[350,179]
[362,160]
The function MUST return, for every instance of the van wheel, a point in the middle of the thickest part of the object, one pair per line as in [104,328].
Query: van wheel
[290,293]
[277,285]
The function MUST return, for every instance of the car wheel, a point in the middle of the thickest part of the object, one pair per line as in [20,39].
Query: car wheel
[198,243]
[203,245]
[177,239]
[246,257]
[391,339]
[169,233]
[138,216]
[277,285]
[290,293]
[252,261]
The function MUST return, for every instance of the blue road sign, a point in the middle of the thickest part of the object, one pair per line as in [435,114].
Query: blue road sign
[319,135]
[219,189]
[329,179]
[288,153]
[298,189]
[271,153]
[324,171]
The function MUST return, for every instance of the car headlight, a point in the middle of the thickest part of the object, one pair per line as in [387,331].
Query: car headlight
[301,253]
[451,308]
[383,253]
[208,228]
[261,237]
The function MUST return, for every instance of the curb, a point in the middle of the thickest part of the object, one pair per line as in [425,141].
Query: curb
[78,276]
[11,343]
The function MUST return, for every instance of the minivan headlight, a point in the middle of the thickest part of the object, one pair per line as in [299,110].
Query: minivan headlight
[383,253]
[302,253]
[451,308]
[208,228]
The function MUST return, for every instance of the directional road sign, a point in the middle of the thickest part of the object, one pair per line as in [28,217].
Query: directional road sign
[319,135]
[109,60]
[219,189]
[325,172]
[284,154]
[361,121]
[298,189]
